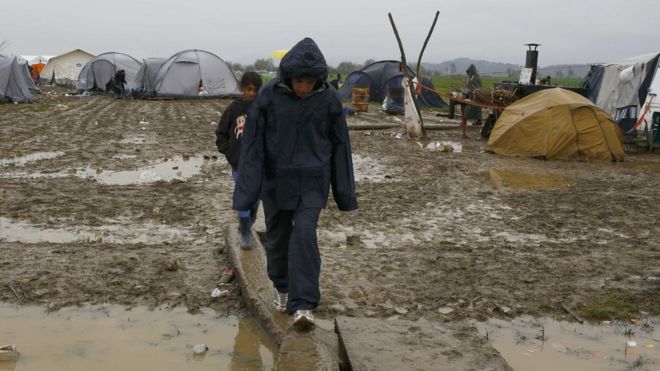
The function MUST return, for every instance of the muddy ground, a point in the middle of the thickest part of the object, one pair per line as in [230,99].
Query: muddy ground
[444,236]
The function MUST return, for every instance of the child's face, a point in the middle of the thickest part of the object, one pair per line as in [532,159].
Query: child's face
[249,93]
[302,87]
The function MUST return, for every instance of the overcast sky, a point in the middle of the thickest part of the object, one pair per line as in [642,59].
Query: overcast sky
[571,31]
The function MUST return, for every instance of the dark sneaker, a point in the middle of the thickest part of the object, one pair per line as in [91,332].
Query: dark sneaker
[303,320]
[280,301]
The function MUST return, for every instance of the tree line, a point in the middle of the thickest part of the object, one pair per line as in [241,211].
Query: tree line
[343,68]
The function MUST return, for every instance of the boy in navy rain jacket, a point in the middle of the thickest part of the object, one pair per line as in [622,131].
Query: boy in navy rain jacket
[295,147]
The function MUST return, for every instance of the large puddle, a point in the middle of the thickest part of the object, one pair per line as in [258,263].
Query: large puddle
[147,233]
[37,156]
[165,169]
[112,338]
[545,344]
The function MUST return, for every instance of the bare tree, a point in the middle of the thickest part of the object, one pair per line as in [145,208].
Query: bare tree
[4,44]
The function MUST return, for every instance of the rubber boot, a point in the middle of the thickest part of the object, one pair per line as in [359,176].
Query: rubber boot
[253,215]
[246,233]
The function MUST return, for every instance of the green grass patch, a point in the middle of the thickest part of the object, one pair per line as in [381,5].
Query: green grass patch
[620,305]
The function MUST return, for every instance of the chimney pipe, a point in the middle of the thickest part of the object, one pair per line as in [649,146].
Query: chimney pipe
[532,60]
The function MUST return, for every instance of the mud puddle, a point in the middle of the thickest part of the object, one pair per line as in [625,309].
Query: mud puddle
[37,156]
[368,169]
[24,232]
[166,169]
[508,179]
[545,344]
[112,338]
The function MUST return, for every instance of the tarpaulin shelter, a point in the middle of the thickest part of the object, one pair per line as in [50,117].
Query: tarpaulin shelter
[100,70]
[146,79]
[65,68]
[381,75]
[186,72]
[16,83]
[556,124]
[622,88]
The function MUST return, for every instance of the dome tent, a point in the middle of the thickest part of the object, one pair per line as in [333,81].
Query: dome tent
[100,70]
[378,76]
[146,78]
[181,76]
[556,124]
[16,83]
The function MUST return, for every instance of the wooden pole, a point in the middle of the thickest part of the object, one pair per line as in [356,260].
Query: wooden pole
[419,60]
[406,75]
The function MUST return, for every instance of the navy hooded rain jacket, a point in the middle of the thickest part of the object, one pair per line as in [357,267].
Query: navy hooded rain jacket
[294,148]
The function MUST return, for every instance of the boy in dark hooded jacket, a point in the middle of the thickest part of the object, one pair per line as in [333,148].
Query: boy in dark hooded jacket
[295,146]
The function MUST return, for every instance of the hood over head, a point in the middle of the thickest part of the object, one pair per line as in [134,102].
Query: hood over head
[304,60]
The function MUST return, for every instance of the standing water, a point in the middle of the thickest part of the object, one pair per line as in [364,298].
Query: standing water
[112,338]
[528,343]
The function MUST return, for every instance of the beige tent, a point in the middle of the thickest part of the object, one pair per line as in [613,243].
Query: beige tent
[556,124]
[65,68]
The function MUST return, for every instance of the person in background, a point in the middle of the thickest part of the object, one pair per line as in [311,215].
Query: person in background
[295,146]
[468,112]
[228,136]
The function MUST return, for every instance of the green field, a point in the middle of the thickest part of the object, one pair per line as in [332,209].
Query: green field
[450,83]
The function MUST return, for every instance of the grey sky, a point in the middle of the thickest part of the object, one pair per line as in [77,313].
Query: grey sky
[571,31]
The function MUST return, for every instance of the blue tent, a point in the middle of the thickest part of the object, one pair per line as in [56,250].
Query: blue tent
[382,76]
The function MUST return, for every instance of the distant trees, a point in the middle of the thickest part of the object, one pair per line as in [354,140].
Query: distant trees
[347,67]
[265,64]
[236,66]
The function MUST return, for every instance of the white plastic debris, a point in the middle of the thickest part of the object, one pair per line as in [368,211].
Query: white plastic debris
[200,349]
[216,293]
[445,146]
[8,353]
[631,343]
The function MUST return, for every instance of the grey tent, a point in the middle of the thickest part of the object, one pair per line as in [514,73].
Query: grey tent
[184,73]
[16,82]
[382,76]
[146,78]
[100,70]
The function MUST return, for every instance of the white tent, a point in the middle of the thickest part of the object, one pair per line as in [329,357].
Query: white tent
[64,69]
